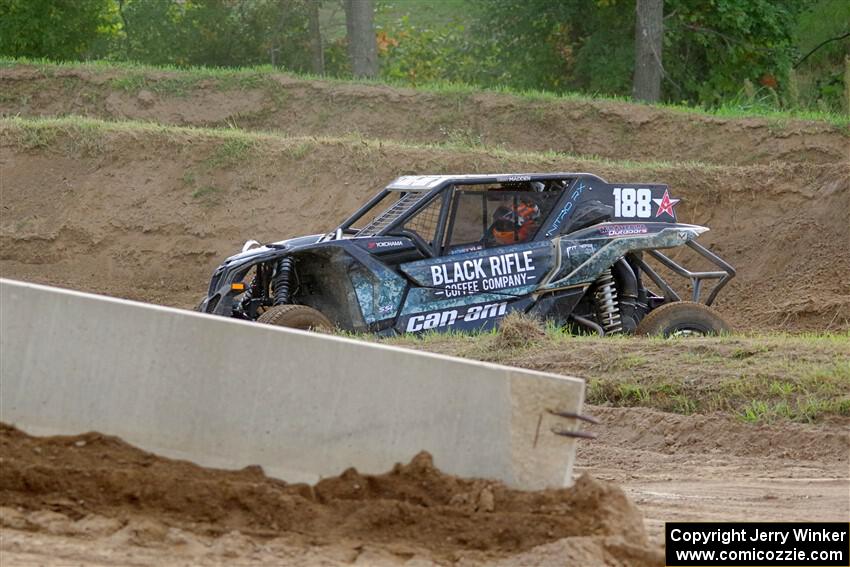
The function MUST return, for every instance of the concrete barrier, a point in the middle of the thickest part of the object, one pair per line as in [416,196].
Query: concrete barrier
[228,394]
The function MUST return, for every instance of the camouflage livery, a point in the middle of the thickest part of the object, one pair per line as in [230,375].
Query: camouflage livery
[419,256]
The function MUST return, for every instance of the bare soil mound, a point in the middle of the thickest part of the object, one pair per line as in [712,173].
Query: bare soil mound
[415,509]
[661,432]
[277,102]
[146,212]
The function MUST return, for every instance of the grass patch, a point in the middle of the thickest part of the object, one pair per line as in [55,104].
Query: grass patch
[632,361]
[758,378]
[230,153]
[35,135]
[84,139]
[519,330]
[179,86]
[181,83]
[299,150]
[236,144]
[245,81]
[755,411]
[463,137]
[183,79]
[632,394]
[208,194]
[9,97]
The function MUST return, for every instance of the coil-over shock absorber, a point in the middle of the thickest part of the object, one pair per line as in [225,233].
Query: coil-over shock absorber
[607,305]
[256,287]
[280,284]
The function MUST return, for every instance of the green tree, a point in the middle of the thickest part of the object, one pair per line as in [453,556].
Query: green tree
[823,47]
[152,32]
[223,33]
[56,29]
[421,55]
[712,49]
[718,47]
[585,45]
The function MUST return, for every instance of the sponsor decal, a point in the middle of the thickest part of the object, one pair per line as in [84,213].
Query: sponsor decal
[465,249]
[622,229]
[665,204]
[476,275]
[417,181]
[440,319]
[568,207]
[579,249]
[385,244]
[510,178]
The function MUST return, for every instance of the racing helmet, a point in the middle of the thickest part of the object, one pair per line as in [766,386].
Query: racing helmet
[515,224]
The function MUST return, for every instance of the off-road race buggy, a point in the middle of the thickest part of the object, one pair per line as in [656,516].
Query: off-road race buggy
[460,252]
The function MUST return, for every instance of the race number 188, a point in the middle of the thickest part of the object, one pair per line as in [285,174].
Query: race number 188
[631,202]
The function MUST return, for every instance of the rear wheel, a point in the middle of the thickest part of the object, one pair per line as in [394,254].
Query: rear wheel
[296,317]
[681,319]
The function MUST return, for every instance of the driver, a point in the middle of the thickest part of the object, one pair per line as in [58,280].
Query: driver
[517,223]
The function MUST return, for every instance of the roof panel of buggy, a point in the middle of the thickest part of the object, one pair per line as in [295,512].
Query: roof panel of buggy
[429,182]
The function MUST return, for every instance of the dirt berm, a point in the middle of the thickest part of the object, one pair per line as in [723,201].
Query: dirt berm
[296,106]
[93,485]
[146,212]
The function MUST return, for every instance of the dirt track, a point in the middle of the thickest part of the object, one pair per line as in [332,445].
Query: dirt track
[146,212]
[714,468]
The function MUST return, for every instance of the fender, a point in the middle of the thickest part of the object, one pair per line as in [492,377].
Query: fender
[615,240]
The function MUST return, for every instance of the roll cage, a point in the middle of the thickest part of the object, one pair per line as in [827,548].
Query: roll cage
[415,194]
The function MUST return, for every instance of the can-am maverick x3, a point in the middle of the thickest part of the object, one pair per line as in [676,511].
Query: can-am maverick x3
[460,252]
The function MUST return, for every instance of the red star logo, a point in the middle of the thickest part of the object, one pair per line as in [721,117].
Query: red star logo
[665,205]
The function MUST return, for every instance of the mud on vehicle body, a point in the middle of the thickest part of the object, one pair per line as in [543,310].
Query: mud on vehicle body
[450,253]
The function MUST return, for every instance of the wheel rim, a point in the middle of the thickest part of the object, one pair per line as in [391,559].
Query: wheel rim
[689,331]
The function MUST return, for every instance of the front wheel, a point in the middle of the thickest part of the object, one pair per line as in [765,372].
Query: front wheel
[296,317]
[683,318]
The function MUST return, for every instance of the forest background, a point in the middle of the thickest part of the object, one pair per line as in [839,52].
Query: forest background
[744,55]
